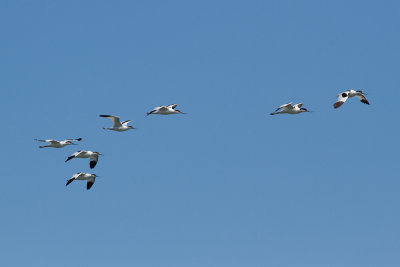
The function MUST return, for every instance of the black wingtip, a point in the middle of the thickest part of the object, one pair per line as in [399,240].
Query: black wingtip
[79,139]
[69,181]
[89,185]
[92,164]
[69,158]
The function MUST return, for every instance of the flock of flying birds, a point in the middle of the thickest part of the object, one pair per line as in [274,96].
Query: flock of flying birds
[168,110]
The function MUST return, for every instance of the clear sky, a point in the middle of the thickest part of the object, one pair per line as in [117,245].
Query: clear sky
[227,184]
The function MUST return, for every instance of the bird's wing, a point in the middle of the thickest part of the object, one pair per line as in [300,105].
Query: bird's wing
[341,98]
[76,175]
[77,139]
[114,119]
[73,155]
[298,105]
[285,106]
[70,181]
[93,160]
[89,183]
[125,123]
[154,110]
[172,106]
[47,140]
[362,98]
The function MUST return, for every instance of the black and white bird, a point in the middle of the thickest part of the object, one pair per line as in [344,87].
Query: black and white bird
[94,157]
[165,110]
[290,109]
[341,98]
[58,144]
[117,124]
[90,178]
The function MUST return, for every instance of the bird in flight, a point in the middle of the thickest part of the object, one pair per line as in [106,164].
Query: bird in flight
[117,124]
[290,109]
[90,178]
[94,157]
[58,144]
[165,110]
[342,97]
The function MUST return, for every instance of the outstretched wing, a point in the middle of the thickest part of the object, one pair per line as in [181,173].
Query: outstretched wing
[93,160]
[115,119]
[362,98]
[47,140]
[285,106]
[89,183]
[341,98]
[125,123]
[73,155]
[156,109]
[77,139]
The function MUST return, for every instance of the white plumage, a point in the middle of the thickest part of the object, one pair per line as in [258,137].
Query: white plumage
[90,178]
[290,109]
[117,124]
[165,110]
[94,157]
[342,97]
[58,144]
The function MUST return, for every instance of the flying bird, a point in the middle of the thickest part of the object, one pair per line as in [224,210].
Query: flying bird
[290,109]
[94,157]
[165,110]
[90,178]
[350,93]
[117,124]
[58,144]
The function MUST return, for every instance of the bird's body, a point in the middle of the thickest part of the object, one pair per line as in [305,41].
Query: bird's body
[94,157]
[117,124]
[289,109]
[342,97]
[90,178]
[58,144]
[165,110]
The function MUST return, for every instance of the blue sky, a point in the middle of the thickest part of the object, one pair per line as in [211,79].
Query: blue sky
[227,184]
